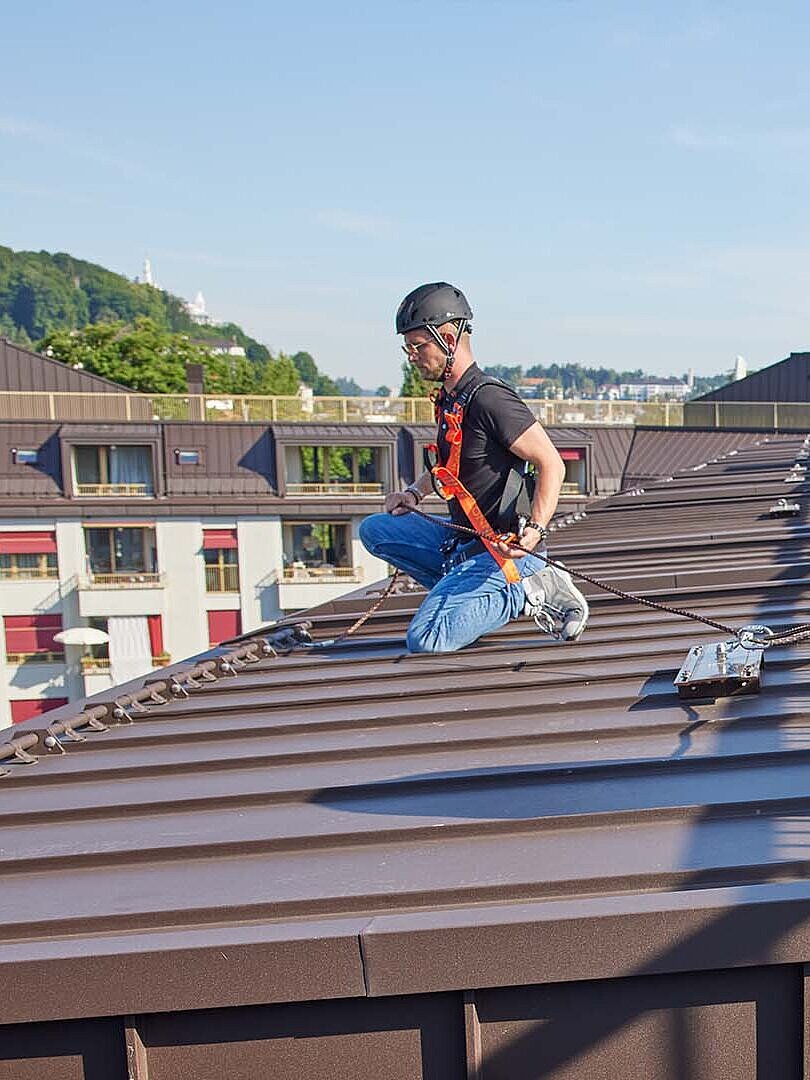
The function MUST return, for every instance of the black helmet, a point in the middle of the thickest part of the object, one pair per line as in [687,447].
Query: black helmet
[432,305]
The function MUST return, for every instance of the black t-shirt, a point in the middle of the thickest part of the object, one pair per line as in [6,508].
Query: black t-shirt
[493,419]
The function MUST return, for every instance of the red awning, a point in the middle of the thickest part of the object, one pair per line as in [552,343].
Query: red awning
[219,538]
[27,543]
[572,455]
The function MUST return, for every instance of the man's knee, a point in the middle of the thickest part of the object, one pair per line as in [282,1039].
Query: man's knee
[371,530]
[428,636]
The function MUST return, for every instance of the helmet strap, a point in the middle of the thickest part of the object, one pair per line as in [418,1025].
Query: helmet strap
[449,353]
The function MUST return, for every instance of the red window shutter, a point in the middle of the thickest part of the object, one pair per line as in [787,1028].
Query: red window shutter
[155,634]
[219,538]
[32,633]
[572,455]
[223,625]
[25,710]
[27,543]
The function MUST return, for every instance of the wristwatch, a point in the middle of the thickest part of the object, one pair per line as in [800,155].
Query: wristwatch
[414,490]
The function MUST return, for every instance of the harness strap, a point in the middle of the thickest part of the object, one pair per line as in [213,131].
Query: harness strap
[452,488]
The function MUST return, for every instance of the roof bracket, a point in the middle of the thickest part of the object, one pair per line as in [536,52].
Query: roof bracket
[179,690]
[71,732]
[719,669]
[24,756]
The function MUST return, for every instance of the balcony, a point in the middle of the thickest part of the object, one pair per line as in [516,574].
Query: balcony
[123,579]
[321,574]
[112,491]
[91,665]
[27,573]
[335,487]
[35,658]
[222,579]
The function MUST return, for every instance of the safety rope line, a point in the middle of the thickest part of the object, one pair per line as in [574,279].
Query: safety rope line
[783,637]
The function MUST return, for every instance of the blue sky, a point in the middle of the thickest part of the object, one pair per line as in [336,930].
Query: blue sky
[609,182]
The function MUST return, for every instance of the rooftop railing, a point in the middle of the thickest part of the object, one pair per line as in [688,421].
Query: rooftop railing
[62,406]
[335,487]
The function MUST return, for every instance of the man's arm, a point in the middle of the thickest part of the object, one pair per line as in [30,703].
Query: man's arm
[536,447]
[402,502]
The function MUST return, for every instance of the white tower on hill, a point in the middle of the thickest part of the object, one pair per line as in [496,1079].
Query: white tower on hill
[197,310]
[740,368]
[147,278]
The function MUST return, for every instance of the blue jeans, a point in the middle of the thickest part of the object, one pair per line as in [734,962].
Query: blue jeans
[472,599]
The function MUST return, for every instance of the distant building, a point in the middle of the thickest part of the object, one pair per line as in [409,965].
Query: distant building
[740,368]
[654,390]
[223,347]
[198,311]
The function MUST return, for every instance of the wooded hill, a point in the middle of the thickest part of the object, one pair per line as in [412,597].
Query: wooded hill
[40,293]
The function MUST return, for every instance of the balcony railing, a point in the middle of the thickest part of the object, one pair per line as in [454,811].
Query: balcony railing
[222,578]
[35,657]
[65,406]
[27,573]
[91,665]
[301,575]
[336,487]
[124,579]
[108,491]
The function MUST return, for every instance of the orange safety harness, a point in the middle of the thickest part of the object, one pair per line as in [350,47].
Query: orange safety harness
[450,487]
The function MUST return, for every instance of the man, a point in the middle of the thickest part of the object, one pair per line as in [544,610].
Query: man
[486,437]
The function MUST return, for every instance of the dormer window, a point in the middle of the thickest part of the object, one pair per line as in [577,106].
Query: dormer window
[113,471]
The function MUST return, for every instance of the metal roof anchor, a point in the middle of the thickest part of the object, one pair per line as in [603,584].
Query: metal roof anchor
[120,714]
[178,689]
[724,668]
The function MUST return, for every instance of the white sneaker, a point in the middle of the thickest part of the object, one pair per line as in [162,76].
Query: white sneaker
[555,603]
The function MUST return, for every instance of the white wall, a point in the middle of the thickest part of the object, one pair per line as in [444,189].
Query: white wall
[180,558]
[260,553]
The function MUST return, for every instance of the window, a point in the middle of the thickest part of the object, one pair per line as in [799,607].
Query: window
[27,709]
[113,470]
[27,555]
[24,457]
[187,457]
[32,636]
[318,549]
[223,625]
[121,551]
[221,555]
[575,482]
[335,470]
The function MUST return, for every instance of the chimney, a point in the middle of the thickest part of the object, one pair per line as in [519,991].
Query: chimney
[195,381]
[194,378]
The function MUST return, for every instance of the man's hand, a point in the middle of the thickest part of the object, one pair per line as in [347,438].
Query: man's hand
[400,502]
[528,542]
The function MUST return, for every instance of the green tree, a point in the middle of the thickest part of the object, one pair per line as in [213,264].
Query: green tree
[143,356]
[413,385]
[383,391]
[348,387]
[321,384]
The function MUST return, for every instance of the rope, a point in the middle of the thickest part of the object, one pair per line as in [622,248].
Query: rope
[789,636]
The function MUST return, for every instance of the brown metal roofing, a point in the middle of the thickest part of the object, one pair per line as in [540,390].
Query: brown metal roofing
[788,380]
[334,434]
[363,822]
[656,453]
[235,459]
[24,369]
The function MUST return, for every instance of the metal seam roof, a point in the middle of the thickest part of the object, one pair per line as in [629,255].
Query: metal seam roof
[364,821]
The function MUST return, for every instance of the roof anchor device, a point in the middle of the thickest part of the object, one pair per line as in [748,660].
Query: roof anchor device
[724,668]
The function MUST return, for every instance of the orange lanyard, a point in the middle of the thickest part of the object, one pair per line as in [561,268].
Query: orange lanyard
[447,477]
